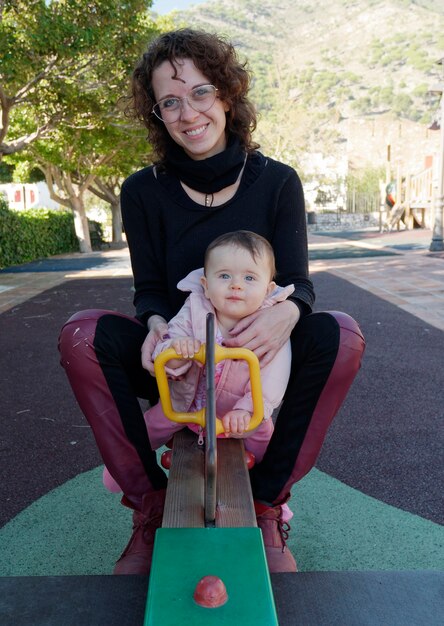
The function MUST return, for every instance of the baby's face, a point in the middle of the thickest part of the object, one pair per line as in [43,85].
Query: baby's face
[235,282]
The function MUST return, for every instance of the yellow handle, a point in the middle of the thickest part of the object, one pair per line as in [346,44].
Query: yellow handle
[221,354]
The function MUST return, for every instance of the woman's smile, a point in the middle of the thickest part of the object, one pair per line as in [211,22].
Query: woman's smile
[196,132]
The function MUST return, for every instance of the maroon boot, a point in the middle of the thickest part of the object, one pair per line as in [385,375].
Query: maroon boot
[274,534]
[136,558]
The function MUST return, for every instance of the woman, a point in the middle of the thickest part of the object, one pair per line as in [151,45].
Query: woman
[190,91]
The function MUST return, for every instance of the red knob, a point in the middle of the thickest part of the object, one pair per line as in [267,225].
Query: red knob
[250,459]
[210,592]
[165,459]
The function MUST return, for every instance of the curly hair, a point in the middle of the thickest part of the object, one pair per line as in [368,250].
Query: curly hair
[217,59]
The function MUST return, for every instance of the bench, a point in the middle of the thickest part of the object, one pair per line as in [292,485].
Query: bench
[96,235]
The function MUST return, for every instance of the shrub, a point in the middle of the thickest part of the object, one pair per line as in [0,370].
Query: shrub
[34,234]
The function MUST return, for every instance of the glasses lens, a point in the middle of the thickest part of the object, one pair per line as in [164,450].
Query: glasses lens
[200,99]
[167,110]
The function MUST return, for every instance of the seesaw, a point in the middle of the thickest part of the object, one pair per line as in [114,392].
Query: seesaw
[209,565]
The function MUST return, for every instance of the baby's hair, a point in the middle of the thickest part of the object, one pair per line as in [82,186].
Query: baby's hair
[255,244]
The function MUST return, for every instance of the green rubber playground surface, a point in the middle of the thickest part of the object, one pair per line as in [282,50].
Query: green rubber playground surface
[80,528]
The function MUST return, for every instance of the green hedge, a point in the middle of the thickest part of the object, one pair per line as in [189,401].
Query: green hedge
[34,234]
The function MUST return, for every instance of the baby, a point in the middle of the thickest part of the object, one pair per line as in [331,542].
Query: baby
[236,281]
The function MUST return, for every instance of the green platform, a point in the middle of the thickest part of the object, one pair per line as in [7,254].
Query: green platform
[182,556]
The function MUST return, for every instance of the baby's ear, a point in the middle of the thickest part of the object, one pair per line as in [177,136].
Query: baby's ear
[203,282]
[271,287]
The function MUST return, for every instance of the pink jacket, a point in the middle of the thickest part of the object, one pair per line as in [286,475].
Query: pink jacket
[233,389]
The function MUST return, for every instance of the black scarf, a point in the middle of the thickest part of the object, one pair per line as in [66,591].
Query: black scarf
[208,175]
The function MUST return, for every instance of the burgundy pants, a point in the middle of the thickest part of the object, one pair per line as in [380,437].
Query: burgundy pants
[100,351]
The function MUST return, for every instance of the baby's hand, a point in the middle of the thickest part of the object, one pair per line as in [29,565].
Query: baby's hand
[186,347]
[236,422]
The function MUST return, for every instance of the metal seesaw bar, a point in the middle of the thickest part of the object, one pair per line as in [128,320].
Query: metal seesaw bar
[210,419]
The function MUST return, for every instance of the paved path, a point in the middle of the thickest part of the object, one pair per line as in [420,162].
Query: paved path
[412,279]
[29,280]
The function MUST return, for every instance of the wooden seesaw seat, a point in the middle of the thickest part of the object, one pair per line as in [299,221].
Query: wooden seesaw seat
[185,494]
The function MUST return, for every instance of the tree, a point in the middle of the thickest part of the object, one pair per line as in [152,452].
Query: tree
[48,47]
[131,152]
[65,65]
[95,159]
[109,190]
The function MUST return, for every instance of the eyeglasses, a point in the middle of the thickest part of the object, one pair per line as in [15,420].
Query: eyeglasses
[200,99]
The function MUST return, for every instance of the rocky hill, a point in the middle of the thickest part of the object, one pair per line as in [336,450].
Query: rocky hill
[316,64]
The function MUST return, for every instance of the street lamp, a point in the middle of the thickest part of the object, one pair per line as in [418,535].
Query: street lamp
[437,243]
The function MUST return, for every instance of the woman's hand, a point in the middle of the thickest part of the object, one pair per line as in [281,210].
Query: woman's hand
[265,331]
[158,331]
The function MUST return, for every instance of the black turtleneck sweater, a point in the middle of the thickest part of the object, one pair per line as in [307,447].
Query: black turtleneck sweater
[168,233]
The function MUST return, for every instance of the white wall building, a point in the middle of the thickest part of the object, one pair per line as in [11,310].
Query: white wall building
[27,196]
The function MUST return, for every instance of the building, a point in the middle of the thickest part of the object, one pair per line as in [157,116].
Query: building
[27,196]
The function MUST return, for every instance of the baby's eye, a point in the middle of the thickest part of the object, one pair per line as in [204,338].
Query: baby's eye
[249,278]
[224,276]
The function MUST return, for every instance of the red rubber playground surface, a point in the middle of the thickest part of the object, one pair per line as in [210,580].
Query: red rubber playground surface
[374,500]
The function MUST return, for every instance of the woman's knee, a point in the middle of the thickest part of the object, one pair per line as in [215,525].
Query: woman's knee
[351,339]
[344,333]
[333,327]
[327,340]
[79,332]
[346,322]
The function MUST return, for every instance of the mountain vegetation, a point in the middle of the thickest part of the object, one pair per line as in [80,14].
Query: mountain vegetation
[316,64]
